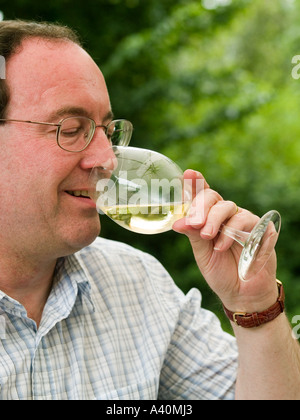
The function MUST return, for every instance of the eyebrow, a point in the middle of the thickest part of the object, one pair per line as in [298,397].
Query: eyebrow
[77,111]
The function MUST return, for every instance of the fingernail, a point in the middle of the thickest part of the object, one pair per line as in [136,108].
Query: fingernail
[194,221]
[218,246]
[195,217]
[207,231]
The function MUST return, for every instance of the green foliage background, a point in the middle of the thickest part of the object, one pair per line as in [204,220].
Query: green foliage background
[208,83]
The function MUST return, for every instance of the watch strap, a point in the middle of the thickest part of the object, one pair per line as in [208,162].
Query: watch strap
[251,320]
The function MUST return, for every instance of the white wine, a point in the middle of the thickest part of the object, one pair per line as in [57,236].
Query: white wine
[146,192]
[147,219]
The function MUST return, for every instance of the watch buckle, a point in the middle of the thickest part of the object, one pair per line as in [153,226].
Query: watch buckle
[238,314]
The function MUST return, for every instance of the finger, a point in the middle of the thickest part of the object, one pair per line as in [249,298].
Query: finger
[217,216]
[238,226]
[201,207]
[197,180]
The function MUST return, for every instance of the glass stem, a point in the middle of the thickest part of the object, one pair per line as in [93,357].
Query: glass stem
[238,235]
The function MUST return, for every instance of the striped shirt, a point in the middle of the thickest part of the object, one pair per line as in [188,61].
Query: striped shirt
[115,326]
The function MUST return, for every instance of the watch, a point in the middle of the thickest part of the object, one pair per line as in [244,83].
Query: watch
[255,319]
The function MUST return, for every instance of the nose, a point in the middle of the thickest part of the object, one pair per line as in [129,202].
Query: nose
[99,152]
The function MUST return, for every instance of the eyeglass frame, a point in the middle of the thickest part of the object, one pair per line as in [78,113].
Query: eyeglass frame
[59,124]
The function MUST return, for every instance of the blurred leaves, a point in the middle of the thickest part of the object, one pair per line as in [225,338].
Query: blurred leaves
[209,84]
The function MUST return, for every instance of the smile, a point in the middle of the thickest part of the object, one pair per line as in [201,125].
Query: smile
[79,193]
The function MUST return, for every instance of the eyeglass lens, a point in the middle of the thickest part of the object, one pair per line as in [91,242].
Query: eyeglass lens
[76,132]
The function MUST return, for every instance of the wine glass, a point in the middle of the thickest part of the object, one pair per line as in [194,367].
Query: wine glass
[146,193]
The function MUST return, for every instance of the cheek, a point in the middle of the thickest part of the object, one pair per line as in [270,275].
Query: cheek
[32,168]
[31,180]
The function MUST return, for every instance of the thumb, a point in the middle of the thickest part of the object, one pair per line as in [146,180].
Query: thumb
[195,183]
[197,179]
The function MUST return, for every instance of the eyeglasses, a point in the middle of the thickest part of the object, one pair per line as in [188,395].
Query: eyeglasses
[74,134]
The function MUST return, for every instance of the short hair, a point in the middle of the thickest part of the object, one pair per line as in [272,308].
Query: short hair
[14,32]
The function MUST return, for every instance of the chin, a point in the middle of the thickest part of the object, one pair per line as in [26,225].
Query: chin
[84,237]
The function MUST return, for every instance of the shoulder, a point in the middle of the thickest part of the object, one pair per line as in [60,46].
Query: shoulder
[119,269]
[120,262]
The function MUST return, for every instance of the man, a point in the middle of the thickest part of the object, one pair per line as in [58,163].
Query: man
[99,320]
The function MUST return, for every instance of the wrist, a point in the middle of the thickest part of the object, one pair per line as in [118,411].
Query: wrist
[252,319]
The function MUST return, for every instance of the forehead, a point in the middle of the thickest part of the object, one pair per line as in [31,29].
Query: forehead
[47,74]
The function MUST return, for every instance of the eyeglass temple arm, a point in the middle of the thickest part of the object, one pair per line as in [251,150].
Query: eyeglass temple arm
[30,122]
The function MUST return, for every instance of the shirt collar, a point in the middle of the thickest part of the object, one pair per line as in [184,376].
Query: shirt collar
[70,278]
[79,276]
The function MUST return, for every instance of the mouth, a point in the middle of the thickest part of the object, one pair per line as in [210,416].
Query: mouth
[84,198]
[80,193]
[83,194]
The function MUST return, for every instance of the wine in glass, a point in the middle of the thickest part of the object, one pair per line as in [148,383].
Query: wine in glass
[146,193]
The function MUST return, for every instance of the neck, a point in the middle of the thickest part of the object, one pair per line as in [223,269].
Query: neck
[28,282]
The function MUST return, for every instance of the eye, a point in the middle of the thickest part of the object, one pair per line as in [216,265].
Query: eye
[72,131]
[75,128]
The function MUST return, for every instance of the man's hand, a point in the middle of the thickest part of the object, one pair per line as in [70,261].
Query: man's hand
[217,255]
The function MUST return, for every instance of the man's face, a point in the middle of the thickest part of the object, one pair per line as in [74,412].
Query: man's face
[48,81]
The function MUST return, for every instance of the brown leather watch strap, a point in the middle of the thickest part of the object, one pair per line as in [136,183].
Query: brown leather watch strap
[247,320]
